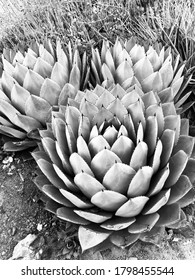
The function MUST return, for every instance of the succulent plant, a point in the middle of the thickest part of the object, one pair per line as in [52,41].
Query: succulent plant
[117,164]
[32,83]
[133,65]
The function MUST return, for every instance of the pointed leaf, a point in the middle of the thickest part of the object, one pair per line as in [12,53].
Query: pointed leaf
[54,194]
[90,236]
[77,199]
[118,177]
[79,165]
[132,207]
[177,164]
[33,82]
[108,158]
[108,200]
[156,202]
[168,214]
[88,184]
[144,223]
[140,183]
[38,108]
[68,215]
[94,216]
[117,223]
[139,156]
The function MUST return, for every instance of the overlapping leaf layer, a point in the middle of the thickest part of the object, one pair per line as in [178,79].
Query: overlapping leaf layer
[33,83]
[118,164]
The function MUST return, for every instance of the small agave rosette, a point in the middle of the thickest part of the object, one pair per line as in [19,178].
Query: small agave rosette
[33,82]
[117,164]
[131,64]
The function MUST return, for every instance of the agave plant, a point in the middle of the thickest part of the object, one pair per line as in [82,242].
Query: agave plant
[117,164]
[32,83]
[133,65]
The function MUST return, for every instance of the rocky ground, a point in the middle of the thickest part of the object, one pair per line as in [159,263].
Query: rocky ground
[27,231]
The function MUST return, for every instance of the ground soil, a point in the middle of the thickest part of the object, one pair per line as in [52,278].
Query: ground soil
[22,214]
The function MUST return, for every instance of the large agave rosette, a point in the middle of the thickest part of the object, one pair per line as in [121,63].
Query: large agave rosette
[146,67]
[32,83]
[118,164]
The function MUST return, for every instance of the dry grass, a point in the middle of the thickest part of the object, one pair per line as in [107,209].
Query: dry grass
[88,21]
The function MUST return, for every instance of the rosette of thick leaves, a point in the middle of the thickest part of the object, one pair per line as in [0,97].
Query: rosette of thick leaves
[34,81]
[118,164]
[133,65]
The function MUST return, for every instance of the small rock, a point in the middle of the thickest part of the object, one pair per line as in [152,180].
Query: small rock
[39,227]
[23,250]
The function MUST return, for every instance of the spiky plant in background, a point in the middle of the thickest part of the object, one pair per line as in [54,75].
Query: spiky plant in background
[133,65]
[33,83]
[117,164]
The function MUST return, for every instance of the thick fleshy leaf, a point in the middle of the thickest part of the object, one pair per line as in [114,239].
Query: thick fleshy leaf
[158,180]
[38,108]
[140,183]
[12,132]
[19,96]
[117,109]
[108,200]
[83,149]
[118,177]
[156,202]
[185,143]
[88,184]
[93,215]
[187,198]
[29,60]
[52,206]
[33,82]
[107,75]
[68,181]
[97,144]
[144,223]
[79,164]
[168,214]
[166,72]
[151,133]
[142,69]
[155,160]
[40,181]
[26,122]
[123,147]
[48,170]
[173,122]
[59,74]
[168,140]
[132,207]
[50,148]
[139,156]
[75,77]
[77,199]
[91,236]
[108,158]
[189,170]
[50,91]
[180,189]
[156,110]
[177,164]
[42,67]
[152,82]
[68,215]
[123,238]
[55,194]
[117,223]
[137,114]
[123,72]
[111,133]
